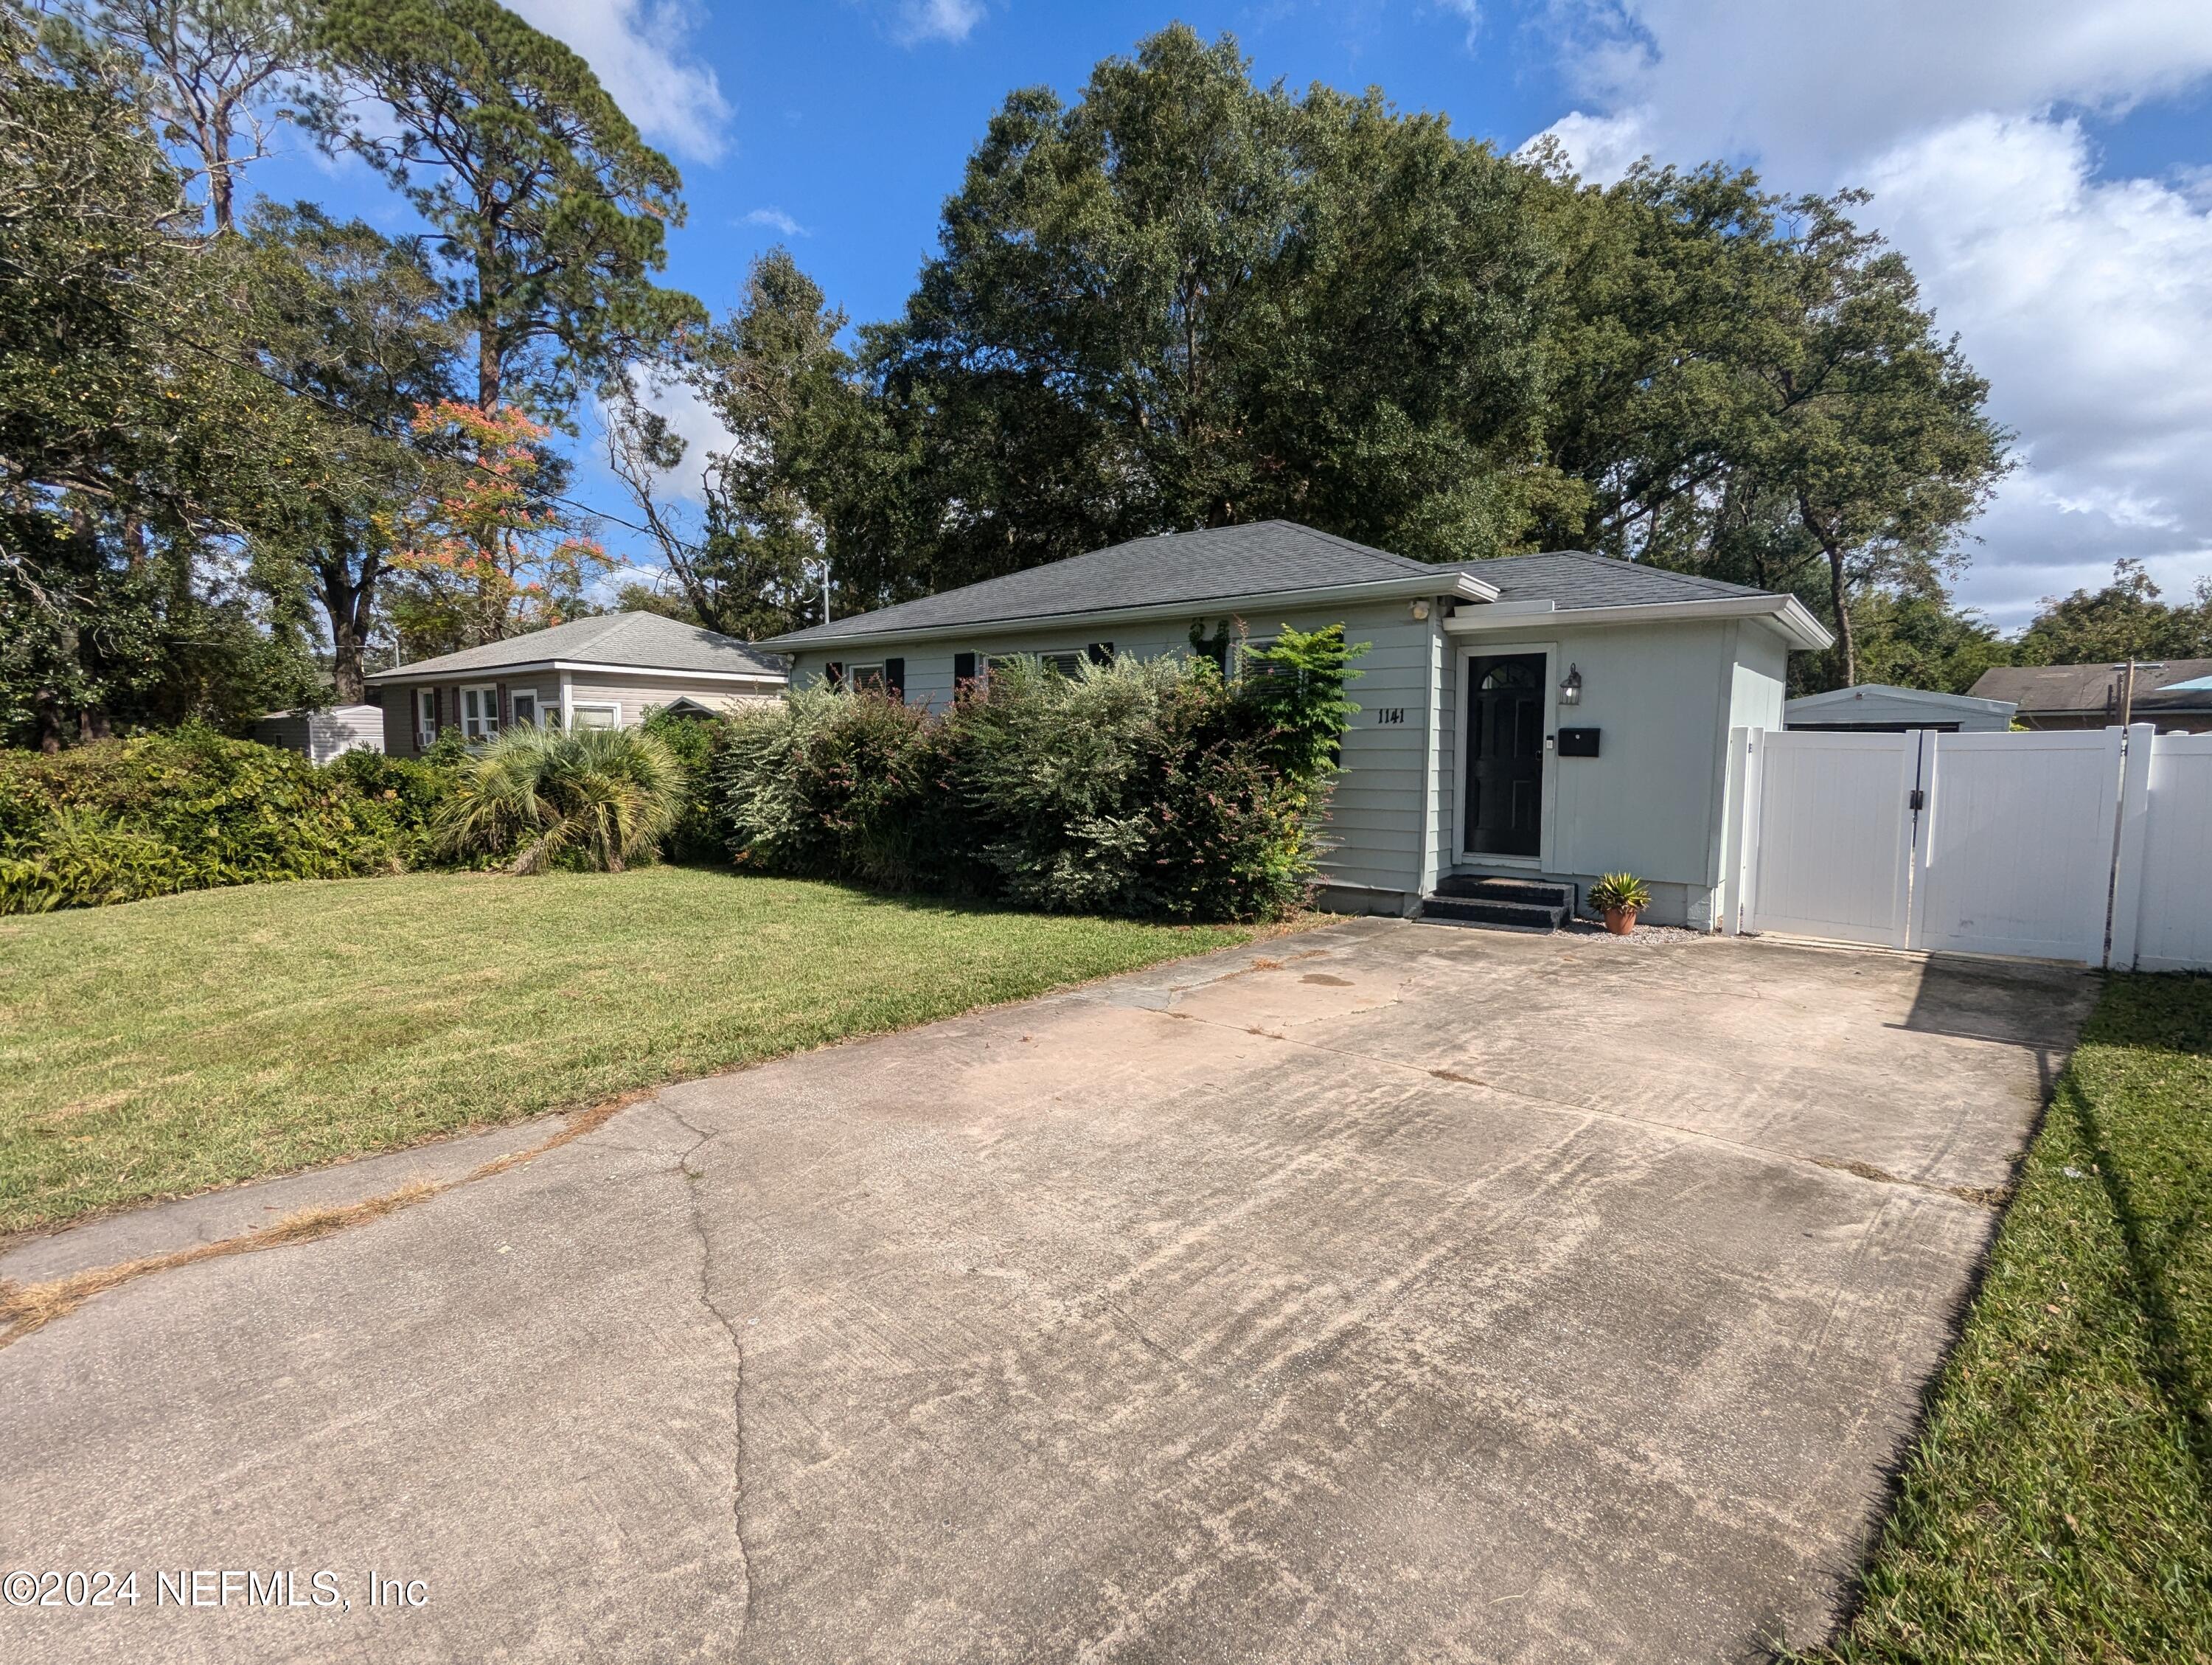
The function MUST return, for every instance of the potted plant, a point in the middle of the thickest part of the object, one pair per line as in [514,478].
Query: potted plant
[1620,897]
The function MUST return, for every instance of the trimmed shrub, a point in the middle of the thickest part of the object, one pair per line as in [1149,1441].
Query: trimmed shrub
[598,799]
[831,785]
[691,740]
[1140,787]
[120,820]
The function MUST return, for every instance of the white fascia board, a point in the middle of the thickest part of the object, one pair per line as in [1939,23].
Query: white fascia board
[1784,613]
[426,671]
[665,670]
[1461,587]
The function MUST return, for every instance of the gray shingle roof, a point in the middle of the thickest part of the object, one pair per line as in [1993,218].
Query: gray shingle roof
[1575,578]
[2089,687]
[640,641]
[1229,564]
[1221,563]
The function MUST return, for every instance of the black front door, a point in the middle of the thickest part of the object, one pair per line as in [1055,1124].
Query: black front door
[1505,755]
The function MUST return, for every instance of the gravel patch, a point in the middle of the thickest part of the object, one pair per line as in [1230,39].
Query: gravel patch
[1644,936]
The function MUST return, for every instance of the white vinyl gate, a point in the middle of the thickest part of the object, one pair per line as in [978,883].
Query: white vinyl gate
[2031,845]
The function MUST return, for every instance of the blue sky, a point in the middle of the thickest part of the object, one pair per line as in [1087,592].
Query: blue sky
[2046,164]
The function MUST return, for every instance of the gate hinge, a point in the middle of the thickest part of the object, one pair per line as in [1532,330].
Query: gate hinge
[1919,801]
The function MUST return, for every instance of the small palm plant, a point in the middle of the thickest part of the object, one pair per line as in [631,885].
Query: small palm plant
[597,798]
[1620,897]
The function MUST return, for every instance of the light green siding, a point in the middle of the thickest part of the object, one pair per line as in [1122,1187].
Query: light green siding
[1653,801]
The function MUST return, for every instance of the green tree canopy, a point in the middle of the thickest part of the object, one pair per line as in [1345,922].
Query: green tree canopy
[547,210]
[354,325]
[135,447]
[1187,301]
[2126,619]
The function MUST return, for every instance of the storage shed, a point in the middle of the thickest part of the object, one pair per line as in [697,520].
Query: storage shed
[1881,708]
[323,735]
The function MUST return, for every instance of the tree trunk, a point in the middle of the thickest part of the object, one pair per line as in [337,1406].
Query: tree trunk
[219,180]
[349,603]
[1838,600]
[1832,544]
[48,701]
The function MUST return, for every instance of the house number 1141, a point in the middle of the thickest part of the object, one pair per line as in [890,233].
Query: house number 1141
[1390,714]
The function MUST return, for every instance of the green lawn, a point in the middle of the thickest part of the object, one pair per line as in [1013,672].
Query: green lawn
[2059,1506]
[175,1045]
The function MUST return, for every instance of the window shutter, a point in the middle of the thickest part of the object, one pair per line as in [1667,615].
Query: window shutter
[963,670]
[834,673]
[1101,653]
[895,678]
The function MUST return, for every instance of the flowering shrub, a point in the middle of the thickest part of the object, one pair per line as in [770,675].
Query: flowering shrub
[1140,787]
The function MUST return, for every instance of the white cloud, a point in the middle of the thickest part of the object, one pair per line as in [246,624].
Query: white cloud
[643,53]
[2088,304]
[777,219]
[938,19]
[694,421]
[2086,300]
[1469,12]
[1807,88]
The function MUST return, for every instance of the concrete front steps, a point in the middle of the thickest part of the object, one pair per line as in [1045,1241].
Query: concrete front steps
[1528,904]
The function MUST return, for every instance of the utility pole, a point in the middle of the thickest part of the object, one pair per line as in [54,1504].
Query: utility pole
[825,590]
[2127,684]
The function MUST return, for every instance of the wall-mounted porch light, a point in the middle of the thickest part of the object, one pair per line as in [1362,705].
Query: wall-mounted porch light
[1420,610]
[1571,691]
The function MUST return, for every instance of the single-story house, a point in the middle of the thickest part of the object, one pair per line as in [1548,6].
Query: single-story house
[1545,718]
[2176,694]
[1883,708]
[605,673]
[323,735]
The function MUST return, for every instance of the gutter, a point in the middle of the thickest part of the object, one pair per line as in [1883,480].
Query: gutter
[1785,613]
[1462,587]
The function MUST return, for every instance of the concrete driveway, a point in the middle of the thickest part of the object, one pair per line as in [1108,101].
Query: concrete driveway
[1392,1292]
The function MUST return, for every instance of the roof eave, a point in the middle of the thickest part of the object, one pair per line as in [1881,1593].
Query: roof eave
[431,670]
[1461,585]
[1785,614]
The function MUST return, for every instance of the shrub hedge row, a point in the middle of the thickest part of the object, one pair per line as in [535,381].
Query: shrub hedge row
[120,820]
[1139,787]
[1144,787]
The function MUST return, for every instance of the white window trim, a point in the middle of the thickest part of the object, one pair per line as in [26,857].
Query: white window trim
[426,718]
[612,707]
[850,677]
[487,702]
[516,695]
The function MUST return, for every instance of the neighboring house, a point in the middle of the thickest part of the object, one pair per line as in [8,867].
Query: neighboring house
[592,673]
[2176,696]
[322,735]
[1543,717]
[1882,707]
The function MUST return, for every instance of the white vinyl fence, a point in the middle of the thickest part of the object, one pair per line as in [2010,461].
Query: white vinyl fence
[2093,847]
[2163,890]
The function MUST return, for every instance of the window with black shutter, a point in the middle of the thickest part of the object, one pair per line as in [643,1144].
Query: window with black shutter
[895,678]
[1101,653]
[834,673]
[963,671]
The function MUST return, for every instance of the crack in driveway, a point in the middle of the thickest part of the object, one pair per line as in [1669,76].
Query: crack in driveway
[692,1179]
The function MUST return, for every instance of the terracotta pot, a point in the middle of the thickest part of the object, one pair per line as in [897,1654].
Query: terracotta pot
[1621,920]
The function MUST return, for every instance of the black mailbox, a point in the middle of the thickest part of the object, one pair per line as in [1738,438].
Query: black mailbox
[1578,743]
